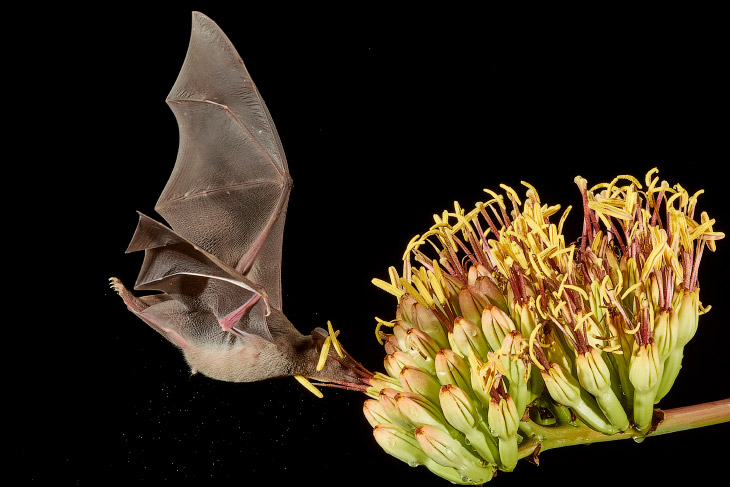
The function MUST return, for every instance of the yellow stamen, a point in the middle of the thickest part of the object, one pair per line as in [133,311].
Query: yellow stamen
[335,342]
[323,353]
[387,287]
[393,274]
[533,336]
[413,292]
[631,289]
[380,324]
[422,290]
[412,244]
[579,290]
[309,386]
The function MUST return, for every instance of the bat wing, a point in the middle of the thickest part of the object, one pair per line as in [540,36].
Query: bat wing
[229,189]
[225,200]
[204,298]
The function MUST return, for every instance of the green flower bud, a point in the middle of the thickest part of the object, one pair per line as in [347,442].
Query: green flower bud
[462,414]
[419,410]
[374,413]
[390,410]
[595,377]
[402,444]
[446,451]
[503,423]
[496,324]
[468,336]
[666,332]
[561,385]
[421,382]
[422,349]
[688,316]
[452,369]
[565,389]
[645,373]
[525,319]
[502,417]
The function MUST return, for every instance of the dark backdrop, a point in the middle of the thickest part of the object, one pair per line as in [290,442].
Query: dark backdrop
[385,119]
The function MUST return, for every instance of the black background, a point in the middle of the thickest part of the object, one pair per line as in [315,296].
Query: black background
[386,118]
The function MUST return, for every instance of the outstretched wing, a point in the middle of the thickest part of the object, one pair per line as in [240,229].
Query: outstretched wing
[229,189]
[219,264]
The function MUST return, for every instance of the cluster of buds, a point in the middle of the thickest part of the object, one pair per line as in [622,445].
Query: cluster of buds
[508,330]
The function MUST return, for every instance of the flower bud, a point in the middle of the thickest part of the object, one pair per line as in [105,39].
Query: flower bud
[561,385]
[419,410]
[565,389]
[420,382]
[394,363]
[593,373]
[400,443]
[485,286]
[404,312]
[379,382]
[496,324]
[399,332]
[457,408]
[461,413]
[452,369]
[468,336]
[422,349]
[645,373]
[426,320]
[666,332]
[525,319]
[446,451]
[645,367]
[390,410]
[688,316]
[374,413]
[503,423]
[595,377]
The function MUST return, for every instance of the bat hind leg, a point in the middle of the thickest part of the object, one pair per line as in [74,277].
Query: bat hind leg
[133,302]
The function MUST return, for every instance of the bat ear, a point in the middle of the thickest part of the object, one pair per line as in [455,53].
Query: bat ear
[319,335]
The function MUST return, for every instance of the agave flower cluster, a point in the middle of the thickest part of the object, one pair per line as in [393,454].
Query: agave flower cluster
[503,330]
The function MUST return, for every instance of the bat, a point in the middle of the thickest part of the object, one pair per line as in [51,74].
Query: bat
[218,264]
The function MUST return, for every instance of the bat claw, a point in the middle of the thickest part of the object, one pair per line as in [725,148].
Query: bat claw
[117,285]
[133,302]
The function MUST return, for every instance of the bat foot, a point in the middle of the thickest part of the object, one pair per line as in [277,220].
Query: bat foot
[133,302]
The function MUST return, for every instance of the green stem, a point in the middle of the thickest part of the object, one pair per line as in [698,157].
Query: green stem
[673,420]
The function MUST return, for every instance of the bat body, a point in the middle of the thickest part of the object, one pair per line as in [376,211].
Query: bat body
[218,264]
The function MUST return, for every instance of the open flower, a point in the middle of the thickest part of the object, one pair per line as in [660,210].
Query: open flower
[504,329]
